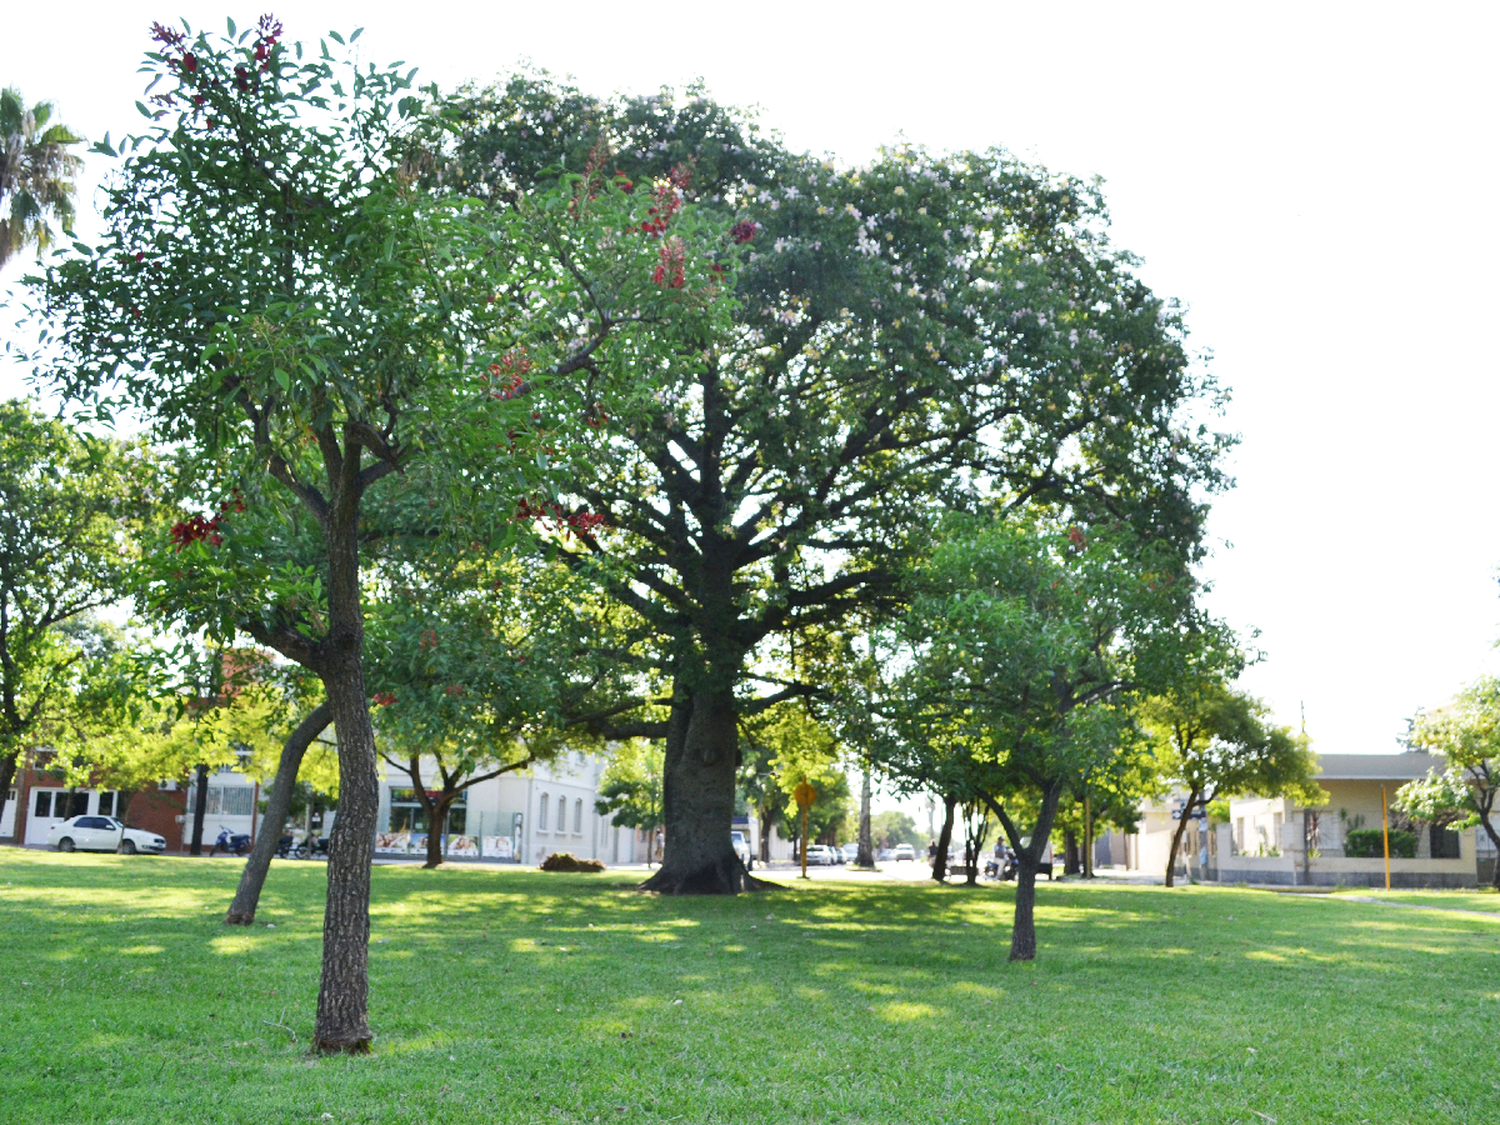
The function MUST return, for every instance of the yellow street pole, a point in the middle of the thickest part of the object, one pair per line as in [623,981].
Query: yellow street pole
[804,841]
[805,795]
[1385,833]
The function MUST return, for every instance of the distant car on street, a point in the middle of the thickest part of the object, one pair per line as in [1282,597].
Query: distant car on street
[820,855]
[102,834]
[851,852]
[742,849]
[904,851]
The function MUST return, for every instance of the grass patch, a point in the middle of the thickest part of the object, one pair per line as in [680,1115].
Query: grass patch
[1484,900]
[518,996]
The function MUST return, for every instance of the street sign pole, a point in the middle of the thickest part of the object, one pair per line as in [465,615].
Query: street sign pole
[805,795]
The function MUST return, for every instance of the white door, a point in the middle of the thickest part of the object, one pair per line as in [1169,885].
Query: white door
[49,807]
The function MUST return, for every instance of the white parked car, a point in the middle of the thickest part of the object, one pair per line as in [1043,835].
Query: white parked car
[742,849]
[904,851]
[102,834]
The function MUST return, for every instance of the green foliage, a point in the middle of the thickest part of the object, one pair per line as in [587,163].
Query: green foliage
[908,333]
[892,827]
[1215,741]
[1443,798]
[36,174]
[1369,843]
[630,788]
[71,507]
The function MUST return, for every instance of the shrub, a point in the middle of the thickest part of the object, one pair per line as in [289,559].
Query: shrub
[1365,843]
[567,861]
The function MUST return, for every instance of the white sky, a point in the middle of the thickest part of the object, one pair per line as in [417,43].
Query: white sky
[1304,177]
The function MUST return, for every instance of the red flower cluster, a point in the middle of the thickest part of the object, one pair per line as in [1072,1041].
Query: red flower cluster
[453,691]
[382,699]
[743,231]
[671,269]
[269,31]
[626,184]
[510,373]
[195,528]
[547,512]
[429,638]
[1076,537]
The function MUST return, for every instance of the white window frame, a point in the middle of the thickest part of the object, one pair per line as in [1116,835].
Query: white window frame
[541,820]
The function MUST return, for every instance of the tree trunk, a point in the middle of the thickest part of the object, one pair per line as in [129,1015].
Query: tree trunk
[698,800]
[865,857]
[1177,837]
[1071,862]
[1088,839]
[945,838]
[1484,819]
[437,821]
[343,994]
[8,775]
[767,823]
[1023,929]
[278,806]
[1028,863]
[201,806]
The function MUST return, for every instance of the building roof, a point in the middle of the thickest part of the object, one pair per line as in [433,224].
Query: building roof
[1376,767]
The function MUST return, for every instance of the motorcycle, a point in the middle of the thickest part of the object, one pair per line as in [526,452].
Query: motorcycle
[238,843]
[312,846]
[284,845]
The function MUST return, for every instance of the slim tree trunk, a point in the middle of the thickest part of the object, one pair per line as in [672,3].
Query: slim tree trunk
[196,845]
[698,800]
[1177,837]
[343,993]
[1023,929]
[1088,839]
[278,807]
[1071,862]
[1484,819]
[945,838]
[437,822]
[8,775]
[865,857]
[767,822]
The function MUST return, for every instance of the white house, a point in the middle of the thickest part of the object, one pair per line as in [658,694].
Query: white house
[521,818]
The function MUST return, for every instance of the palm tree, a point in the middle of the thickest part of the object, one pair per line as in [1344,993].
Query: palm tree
[36,174]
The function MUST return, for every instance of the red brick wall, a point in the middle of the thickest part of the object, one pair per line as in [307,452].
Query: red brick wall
[155,810]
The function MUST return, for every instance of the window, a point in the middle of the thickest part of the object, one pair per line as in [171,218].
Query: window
[541,820]
[223,800]
[408,815]
[1444,843]
[43,805]
[1239,834]
[107,803]
[578,817]
[562,814]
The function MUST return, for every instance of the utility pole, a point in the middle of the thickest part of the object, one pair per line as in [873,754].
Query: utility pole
[866,855]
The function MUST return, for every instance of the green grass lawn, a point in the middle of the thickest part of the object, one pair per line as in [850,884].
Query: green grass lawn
[1486,900]
[517,996]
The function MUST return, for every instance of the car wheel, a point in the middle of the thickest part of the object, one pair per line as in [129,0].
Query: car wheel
[127,847]
[65,844]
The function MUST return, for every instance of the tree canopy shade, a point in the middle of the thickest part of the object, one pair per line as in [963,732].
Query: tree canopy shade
[36,175]
[1216,742]
[923,330]
[71,507]
[1467,734]
[1030,644]
[276,294]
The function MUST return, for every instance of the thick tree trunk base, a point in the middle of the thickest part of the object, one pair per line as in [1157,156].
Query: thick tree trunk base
[232,919]
[332,1047]
[724,877]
